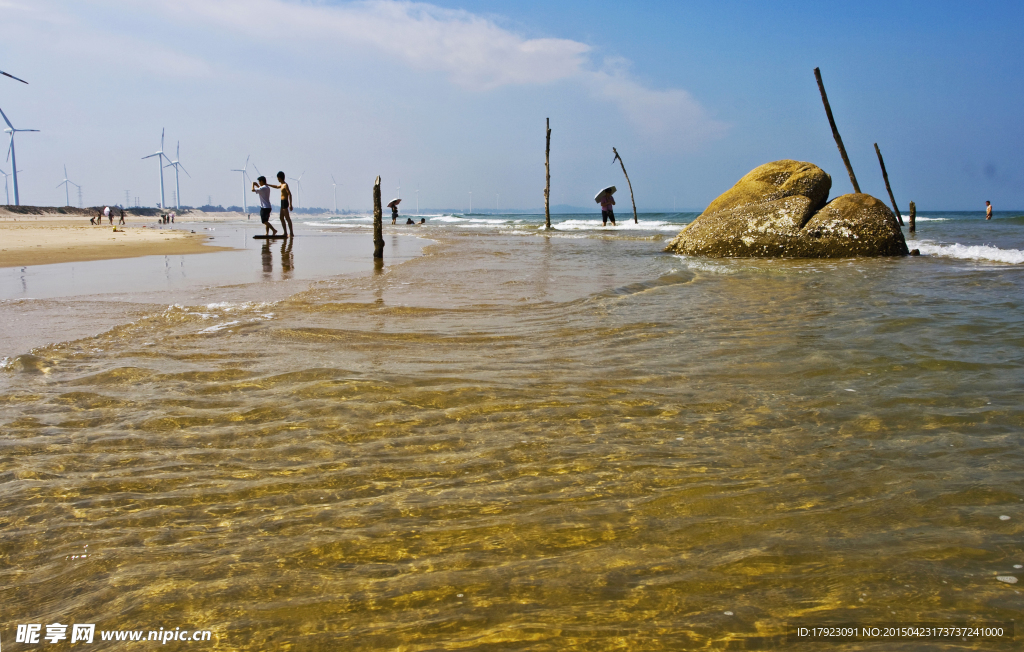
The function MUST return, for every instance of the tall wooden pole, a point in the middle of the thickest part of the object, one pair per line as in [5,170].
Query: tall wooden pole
[547,178]
[913,218]
[885,175]
[378,222]
[835,131]
[619,158]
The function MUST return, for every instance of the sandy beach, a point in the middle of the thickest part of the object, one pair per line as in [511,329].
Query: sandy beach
[43,239]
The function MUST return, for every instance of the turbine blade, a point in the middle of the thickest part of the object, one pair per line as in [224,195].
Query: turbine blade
[6,120]
[184,170]
[7,74]
[26,130]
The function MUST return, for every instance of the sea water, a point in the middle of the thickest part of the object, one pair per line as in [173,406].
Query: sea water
[519,439]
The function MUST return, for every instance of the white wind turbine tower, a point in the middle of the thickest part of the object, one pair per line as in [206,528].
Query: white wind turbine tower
[160,162]
[335,184]
[245,175]
[65,182]
[177,187]
[7,192]
[10,154]
[298,185]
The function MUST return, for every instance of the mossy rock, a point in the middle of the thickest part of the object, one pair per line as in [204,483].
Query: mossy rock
[779,210]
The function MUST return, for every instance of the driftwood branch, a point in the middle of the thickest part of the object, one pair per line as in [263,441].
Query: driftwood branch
[619,159]
[885,175]
[378,222]
[835,131]
[547,178]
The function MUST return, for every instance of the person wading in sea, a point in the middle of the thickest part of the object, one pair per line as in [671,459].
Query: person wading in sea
[607,201]
[988,210]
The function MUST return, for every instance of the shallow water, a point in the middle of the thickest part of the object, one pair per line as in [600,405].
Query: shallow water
[521,441]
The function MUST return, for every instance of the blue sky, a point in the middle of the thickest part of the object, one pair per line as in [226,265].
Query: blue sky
[451,97]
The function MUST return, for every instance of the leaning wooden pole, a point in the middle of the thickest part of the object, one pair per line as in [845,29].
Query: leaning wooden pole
[835,131]
[913,218]
[885,175]
[547,178]
[635,221]
[378,222]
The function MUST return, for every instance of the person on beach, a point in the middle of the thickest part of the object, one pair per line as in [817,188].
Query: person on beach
[607,201]
[286,205]
[394,213]
[261,188]
[99,216]
[108,215]
[988,210]
[122,217]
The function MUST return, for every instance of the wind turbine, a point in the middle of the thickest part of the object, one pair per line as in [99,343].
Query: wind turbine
[298,185]
[335,184]
[6,191]
[177,188]
[160,161]
[245,174]
[7,74]
[10,154]
[65,182]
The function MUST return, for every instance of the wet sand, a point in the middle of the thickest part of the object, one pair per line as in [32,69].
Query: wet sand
[45,303]
[45,241]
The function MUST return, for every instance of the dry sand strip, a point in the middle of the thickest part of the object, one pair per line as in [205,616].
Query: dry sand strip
[30,242]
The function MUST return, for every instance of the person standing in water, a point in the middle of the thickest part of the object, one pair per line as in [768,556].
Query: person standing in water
[260,187]
[607,201]
[988,210]
[286,206]
[394,213]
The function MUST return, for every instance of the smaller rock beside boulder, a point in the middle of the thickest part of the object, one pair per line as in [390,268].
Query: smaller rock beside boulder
[779,210]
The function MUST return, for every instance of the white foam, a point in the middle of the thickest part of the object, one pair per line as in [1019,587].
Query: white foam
[621,225]
[921,218]
[220,327]
[974,252]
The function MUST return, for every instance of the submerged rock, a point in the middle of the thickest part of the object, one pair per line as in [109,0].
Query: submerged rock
[779,210]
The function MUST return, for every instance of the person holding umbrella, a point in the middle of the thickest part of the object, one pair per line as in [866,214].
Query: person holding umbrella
[606,200]
[393,205]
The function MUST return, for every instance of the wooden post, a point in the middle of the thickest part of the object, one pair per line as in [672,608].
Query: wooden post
[885,175]
[912,218]
[378,222]
[547,178]
[835,131]
[619,158]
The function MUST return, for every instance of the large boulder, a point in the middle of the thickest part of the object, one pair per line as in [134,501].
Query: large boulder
[779,210]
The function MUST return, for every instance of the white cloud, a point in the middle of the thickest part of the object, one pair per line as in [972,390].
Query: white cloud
[39,23]
[473,51]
